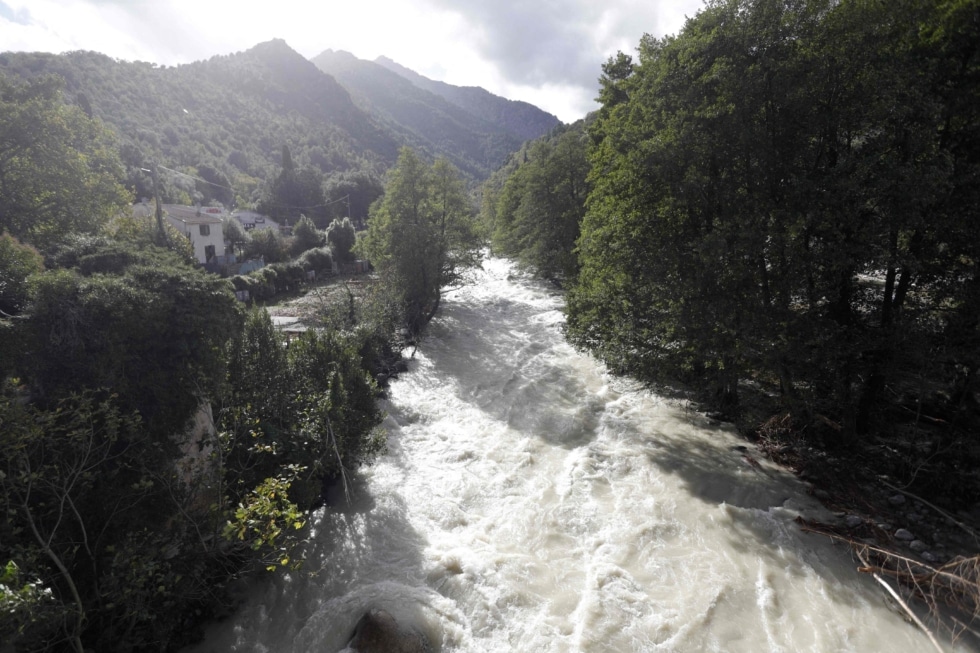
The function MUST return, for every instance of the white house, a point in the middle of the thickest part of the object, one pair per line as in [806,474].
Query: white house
[202,226]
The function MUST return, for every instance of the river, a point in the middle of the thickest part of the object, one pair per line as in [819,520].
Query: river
[529,501]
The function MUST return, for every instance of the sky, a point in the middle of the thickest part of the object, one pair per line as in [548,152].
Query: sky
[546,52]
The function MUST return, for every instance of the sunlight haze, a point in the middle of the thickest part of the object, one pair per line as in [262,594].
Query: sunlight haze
[548,54]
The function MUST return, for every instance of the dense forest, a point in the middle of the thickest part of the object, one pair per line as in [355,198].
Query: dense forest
[224,120]
[781,215]
[158,439]
[219,127]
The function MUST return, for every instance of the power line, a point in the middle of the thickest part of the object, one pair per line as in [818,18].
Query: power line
[279,204]
[205,181]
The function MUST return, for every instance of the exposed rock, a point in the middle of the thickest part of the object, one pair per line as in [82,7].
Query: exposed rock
[853,521]
[918,546]
[896,499]
[378,632]
[904,535]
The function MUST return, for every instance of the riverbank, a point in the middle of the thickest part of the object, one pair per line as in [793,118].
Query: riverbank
[924,544]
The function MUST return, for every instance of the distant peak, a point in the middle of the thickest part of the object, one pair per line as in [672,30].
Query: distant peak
[336,54]
[277,46]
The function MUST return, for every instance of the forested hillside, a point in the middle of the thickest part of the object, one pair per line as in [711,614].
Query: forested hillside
[782,215]
[426,121]
[159,440]
[523,120]
[533,206]
[224,120]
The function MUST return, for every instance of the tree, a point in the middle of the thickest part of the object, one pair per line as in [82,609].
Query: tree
[235,234]
[53,464]
[305,236]
[537,212]
[303,415]
[421,235]
[152,333]
[266,243]
[772,187]
[59,170]
[342,237]
[295,192]
[17,263]
[360,188]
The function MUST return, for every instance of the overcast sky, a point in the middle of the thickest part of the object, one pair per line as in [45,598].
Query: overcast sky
[547,52]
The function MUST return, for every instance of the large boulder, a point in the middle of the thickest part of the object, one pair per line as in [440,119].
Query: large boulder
[379,632]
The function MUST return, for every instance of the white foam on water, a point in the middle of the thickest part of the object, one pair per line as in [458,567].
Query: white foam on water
[531,502]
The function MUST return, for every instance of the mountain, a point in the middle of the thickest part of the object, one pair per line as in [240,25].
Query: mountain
[477,138]
[524,120]
[225,119]
[217,128]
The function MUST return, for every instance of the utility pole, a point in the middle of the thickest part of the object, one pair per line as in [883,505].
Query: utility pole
[156,192]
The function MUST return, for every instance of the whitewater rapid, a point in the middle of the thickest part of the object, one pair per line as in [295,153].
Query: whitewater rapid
[529,501]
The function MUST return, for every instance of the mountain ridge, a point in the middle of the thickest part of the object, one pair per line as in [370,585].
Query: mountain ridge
[426,120]
[522,118]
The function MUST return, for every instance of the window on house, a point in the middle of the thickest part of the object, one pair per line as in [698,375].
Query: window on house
[205,230]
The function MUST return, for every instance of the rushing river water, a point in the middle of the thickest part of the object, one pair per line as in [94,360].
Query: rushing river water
[531,502]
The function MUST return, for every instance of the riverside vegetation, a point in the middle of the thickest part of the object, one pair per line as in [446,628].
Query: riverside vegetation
[781,215]
[774,208]
[158,440]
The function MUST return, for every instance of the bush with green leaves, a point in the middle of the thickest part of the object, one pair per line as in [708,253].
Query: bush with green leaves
[320,260]
[267,244]
[342,237]
[305,413]
[305,236]
[17,263]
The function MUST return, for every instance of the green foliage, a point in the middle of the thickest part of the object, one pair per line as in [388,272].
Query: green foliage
[62,470]
[305,236]
[294,193]
[780,190]
[112,516]
[342,237]
[28,611]
[59,171]
[303,415]
[319,259]
[265,521]
[421,236]
[358,189]
[153,332]
[223,120]
[17,263]
[235,234]
[534,214]
[266,243]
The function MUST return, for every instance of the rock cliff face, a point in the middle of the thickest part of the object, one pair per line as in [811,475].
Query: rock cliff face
[378,632]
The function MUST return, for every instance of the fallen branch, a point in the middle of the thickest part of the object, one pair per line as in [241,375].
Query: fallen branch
[905,606]
[956,584]
[340,461]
